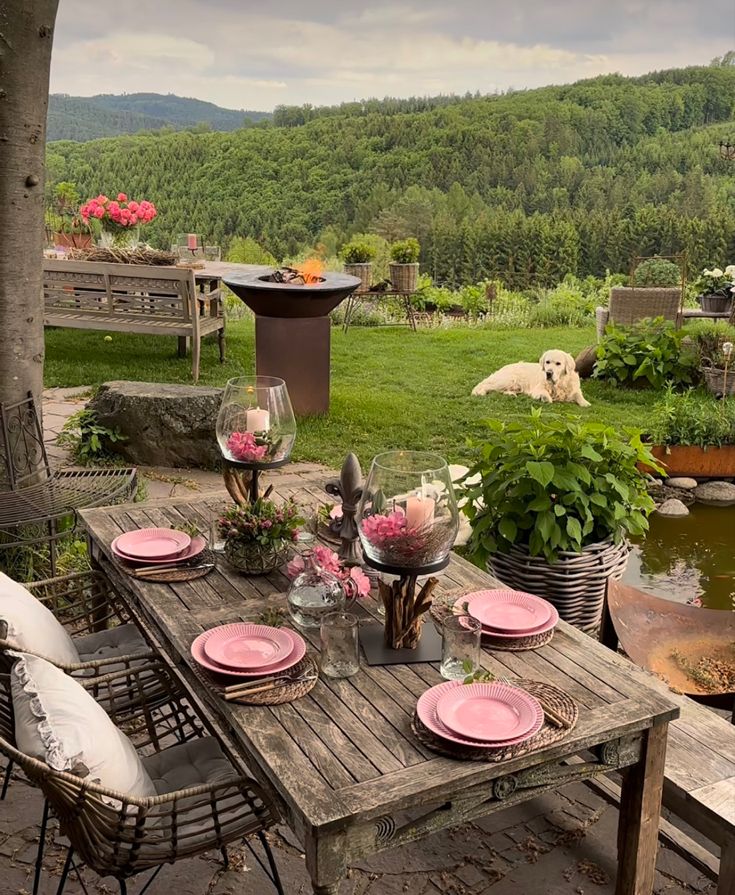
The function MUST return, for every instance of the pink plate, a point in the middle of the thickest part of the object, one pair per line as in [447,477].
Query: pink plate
[551,622]
[252,647]
[511,611]
[426,710]
[488,712]
[194,549]
[296,655]
[152,543]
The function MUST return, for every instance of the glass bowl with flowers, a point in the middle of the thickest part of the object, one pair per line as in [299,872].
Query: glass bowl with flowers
[259,535]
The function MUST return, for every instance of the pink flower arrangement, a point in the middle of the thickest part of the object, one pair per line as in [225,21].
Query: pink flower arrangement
[244,446]
[380,530]
[119,213]
[329,561]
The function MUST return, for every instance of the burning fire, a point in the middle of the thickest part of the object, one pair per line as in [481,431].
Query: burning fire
[311,271]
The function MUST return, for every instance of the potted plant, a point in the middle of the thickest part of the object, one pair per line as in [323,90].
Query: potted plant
[716,287]
[357,257]
[693,434]
[714,343]
[258,535]
[120,218]
[554,505]
[65,227]
[404,265]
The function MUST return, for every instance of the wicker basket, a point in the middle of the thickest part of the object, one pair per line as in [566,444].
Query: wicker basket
[717,382]
[575,583]
[364,273]
[254,559]
[405,277]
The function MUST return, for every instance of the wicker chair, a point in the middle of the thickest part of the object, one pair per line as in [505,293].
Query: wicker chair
[629,304]
[205,799]
[40,501]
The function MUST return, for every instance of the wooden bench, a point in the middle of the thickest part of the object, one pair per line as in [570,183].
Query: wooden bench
[699,782]
[133,298]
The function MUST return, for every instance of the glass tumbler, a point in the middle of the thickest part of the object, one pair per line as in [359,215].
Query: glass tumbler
[460,646]
[340,646]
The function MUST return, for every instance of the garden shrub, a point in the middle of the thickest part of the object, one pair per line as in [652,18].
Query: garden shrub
[656,272]
[693,418]
[647,353]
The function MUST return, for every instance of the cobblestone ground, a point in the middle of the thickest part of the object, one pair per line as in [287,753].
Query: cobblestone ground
[557,844]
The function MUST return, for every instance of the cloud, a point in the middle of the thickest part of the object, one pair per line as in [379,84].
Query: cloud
[246,55]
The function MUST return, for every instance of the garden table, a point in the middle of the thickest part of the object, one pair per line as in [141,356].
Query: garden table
[342,762]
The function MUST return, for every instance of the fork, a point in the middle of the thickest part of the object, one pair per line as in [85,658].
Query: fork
[554,719]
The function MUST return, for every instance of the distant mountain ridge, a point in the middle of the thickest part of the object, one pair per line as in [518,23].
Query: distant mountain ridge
[83,118]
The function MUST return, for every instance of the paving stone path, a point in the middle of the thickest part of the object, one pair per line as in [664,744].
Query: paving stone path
[557,844]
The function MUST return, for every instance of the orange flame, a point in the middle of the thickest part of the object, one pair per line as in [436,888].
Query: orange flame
[311,270]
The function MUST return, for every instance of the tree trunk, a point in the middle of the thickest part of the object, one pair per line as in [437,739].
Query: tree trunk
[26,35]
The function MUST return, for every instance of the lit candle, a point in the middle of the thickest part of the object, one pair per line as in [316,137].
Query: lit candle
[420,512]
[258,420]
[191,241]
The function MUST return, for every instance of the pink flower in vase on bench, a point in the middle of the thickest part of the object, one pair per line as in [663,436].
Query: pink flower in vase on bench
[244,447]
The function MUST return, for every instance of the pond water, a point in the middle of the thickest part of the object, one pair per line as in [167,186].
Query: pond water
[688,557]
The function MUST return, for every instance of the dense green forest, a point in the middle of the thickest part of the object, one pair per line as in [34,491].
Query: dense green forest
[525,187]
[109,115]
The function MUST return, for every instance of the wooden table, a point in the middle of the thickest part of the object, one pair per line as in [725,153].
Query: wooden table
[342,762]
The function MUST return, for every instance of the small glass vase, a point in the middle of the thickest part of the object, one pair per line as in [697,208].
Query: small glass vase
[256,426]
[316,592]
[255,559]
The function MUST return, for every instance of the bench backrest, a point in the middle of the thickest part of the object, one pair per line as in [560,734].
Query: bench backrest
[105,290]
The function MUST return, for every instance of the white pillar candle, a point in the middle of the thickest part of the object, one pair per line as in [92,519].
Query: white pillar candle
[420,512]
[258,420]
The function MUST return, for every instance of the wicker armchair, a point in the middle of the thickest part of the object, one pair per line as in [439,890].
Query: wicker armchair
[205,799]
[629,304]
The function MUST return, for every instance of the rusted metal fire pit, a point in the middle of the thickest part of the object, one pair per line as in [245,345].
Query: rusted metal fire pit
[292,329]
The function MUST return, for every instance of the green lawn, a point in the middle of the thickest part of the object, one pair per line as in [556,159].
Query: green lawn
[391,388]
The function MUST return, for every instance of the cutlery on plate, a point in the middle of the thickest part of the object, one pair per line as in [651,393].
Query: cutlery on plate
[147,572]
[236,691]
[551,716]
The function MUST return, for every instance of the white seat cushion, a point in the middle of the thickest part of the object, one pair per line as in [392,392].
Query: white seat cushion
[32,626]
[58,721]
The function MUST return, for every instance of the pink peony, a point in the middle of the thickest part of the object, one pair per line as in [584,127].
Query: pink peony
[242,446]
[121,197]
[133,206]
[98,211]
[361,580]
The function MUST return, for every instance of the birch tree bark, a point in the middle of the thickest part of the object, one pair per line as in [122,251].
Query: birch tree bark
[26,35]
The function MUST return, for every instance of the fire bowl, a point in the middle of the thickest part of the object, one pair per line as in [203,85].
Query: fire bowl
[267,298]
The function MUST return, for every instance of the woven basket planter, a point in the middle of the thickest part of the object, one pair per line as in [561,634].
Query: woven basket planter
[405,277]
[254,559]
[364,273]
[717,382]
[575,583]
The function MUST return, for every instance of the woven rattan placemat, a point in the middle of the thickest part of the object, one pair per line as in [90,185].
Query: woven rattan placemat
[182,573]
[444,606]
[557,700]
[287,692]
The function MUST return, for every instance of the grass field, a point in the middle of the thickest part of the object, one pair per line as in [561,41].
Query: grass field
[391,388]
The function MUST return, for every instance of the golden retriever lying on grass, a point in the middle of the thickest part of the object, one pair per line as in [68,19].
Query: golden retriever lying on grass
[554,378]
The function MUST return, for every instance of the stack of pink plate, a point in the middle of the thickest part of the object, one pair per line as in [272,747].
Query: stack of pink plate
[484,716]
[509,614]
[157,546]
[246,650]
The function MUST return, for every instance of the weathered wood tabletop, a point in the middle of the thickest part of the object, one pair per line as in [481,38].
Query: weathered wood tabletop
[343,763]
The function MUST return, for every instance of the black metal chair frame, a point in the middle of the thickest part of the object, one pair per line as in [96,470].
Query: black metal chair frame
[40,505]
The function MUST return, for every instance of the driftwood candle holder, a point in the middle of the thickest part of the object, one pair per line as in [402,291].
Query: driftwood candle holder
[404,610]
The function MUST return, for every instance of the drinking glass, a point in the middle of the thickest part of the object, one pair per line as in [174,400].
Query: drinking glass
[340,647]
[460,646]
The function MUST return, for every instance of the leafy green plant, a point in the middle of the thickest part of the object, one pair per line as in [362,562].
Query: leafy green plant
[357,252]
[87,440]
[693,418]
[405,251]
[261,522]
[554,485]
[647,353]
[708,338]
[656,272]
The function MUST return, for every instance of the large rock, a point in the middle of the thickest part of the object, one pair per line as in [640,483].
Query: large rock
[719,494]
[682,482]
[673,507]
[163,425]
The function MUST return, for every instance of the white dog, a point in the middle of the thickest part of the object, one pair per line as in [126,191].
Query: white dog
[554,378]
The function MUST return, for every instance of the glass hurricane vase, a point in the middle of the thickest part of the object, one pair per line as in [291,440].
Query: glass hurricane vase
[256,426]
[253,558]
[407,516]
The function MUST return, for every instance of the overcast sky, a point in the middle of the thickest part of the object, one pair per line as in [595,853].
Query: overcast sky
[255,55]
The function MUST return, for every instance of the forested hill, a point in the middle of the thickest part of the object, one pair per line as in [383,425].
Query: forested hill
[527,186]
[108,115]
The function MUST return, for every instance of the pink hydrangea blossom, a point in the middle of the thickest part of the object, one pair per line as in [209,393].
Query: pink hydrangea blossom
[121,197]
[379,529]
[243,446]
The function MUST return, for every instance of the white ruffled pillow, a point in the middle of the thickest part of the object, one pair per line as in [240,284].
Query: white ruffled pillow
[57,721]
[32,626]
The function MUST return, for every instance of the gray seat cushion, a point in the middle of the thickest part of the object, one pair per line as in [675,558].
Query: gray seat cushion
[123,640]
[189,764]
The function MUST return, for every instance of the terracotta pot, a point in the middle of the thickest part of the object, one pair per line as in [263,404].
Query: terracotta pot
[681,460]
[73,240]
